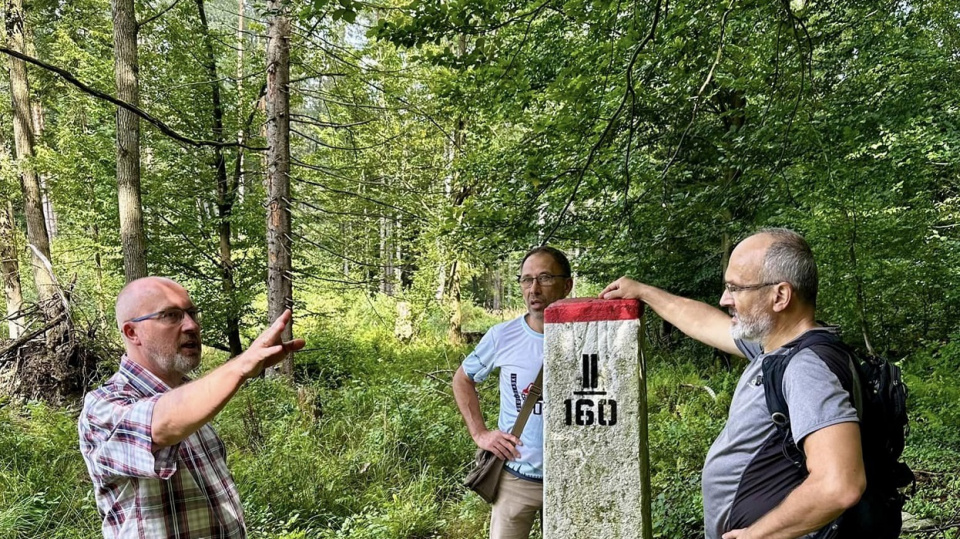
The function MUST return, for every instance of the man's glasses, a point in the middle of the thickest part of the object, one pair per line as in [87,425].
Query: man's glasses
[545,279]
[734,288]
[171,316]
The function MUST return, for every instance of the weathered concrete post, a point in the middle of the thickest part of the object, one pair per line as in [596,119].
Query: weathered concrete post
[596,461]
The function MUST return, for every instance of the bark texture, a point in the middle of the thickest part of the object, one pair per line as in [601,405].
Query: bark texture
[226,191]
[24,141]
[126,72]
[279,275]
[10,270]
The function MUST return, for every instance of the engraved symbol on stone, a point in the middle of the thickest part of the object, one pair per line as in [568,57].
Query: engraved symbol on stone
[585,410]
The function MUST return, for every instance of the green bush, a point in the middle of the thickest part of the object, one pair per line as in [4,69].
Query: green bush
[44,490]
[369,444]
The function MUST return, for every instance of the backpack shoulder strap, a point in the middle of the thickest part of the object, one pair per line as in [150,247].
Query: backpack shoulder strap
[838,357]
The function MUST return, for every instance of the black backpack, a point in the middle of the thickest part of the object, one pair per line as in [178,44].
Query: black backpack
[877,390]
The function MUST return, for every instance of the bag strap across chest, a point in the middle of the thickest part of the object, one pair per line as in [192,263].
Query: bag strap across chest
[533,395]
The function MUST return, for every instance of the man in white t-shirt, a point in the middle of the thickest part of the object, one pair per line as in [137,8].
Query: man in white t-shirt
[516,348]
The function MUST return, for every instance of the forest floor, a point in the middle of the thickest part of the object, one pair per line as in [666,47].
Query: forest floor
[369,444]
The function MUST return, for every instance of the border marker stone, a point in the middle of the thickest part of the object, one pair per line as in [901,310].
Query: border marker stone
[596,458]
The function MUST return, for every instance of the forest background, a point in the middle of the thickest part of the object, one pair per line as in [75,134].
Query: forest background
[380,166]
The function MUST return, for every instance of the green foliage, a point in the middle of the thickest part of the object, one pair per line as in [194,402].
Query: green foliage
[934,442]
[44,490]
[369,444]
[439,140]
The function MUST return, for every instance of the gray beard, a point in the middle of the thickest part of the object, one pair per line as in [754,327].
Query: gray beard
[751,328]
[184,365]
[178,363]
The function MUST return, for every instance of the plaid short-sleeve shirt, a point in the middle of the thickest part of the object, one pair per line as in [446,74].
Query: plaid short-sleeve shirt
[182,491]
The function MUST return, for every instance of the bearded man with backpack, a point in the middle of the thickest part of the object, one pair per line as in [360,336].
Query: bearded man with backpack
[799,472]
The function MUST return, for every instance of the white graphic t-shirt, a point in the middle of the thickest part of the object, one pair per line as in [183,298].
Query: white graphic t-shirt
[517,351]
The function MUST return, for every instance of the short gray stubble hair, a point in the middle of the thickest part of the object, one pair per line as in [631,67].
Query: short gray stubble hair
[790,259]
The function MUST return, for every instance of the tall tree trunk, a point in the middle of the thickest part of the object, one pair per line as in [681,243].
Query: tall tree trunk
[38,124]
[37,119]
[241,23]
[858,279]
[10,269]
[733,106]
[39,372]
[226,192]
[126,72]
[460,194]
[496,303]
[279,275]
[23,136]
[387,278]
[98,267]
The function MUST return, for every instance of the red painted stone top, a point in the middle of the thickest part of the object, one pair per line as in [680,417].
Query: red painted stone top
[591,310]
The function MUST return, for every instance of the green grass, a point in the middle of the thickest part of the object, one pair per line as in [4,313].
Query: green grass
[369,444]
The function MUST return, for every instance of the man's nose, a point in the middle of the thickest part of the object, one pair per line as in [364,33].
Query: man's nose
[189,323]
[726,299]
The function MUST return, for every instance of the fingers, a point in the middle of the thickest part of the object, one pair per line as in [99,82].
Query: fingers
[293,346]
[271,335]
[507,444]
[612,290]
[502,444]
[281,322]
[622,288]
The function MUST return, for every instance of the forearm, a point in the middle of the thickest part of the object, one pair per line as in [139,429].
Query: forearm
[807,509]
[835,483]
[465,393]
[696,319]
[182,411]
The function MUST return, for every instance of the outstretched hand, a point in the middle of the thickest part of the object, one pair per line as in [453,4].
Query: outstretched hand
[501,444]
[269,348]
[622,288]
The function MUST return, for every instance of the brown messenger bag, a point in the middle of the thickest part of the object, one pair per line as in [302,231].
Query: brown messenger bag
[484,478]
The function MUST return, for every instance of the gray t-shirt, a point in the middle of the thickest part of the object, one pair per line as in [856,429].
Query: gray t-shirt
[815,398]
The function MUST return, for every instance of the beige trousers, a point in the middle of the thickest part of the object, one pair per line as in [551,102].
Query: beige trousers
[516,507]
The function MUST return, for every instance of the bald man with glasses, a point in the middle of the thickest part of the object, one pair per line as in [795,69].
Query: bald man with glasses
[158,468]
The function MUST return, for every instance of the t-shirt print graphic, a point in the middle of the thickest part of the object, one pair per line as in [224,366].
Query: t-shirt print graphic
[520,396]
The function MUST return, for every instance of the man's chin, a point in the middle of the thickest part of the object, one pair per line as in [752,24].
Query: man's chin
[739,333]
[186,363]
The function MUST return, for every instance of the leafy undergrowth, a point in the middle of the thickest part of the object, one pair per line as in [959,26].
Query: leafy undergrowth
[369,444]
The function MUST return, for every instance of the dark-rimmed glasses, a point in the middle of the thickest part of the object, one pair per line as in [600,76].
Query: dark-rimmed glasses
[734,288]
[545,279]
[171,316]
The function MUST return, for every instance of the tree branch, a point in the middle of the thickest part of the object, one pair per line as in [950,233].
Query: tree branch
[23,339]
[158,15]
[613,120]
[164,128]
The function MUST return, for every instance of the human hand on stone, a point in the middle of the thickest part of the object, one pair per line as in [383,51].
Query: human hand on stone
[622,288]
[501,444]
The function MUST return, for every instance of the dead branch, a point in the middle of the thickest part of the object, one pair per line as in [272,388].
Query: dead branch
[27,337]
[164,128]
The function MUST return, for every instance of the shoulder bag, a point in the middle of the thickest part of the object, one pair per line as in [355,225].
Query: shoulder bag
[484,479]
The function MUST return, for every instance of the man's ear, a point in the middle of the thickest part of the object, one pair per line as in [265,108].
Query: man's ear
[783,297]
[568,287]
[129,332]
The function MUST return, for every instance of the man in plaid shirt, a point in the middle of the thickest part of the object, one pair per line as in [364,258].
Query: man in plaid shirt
[158,468]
